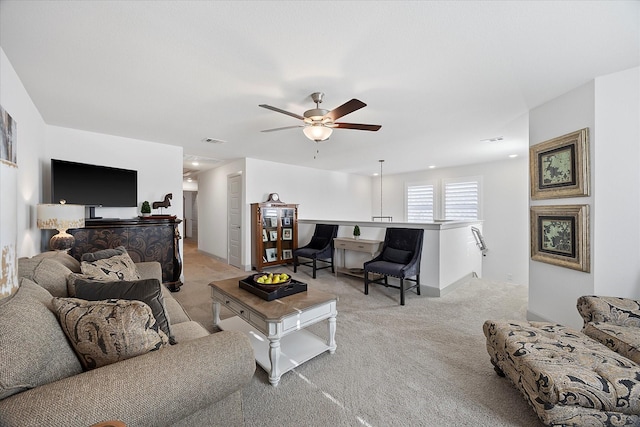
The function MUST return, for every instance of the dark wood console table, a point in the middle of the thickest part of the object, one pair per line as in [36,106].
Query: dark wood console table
[148,239]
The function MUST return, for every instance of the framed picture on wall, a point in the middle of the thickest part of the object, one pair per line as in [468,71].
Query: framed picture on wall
[273,235]
[286,220]
[264,235]
[560,236]
[560,167]
[287,254]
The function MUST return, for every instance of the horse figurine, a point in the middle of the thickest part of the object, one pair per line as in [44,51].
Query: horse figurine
[165,203]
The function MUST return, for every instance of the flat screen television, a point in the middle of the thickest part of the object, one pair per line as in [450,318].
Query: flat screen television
[93,185]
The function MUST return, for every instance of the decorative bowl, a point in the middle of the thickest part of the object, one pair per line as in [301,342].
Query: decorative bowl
[269,286]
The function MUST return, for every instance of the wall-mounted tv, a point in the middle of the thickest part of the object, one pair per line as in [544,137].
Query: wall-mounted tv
[93,185]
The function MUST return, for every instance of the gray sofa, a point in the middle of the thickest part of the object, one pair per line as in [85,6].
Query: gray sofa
[196,382]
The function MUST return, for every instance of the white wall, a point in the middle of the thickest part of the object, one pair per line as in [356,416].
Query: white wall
[159,166]
[609,107]
[212,211]
[30,142]
[504,211]
[616,154]
[553,290]
[320,195]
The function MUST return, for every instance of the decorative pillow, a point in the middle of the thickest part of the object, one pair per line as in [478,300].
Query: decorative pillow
[105,332]
[117,267]
[73,277]
[51,275]
[149,291]
[33,349]
[103,254]
[318,242]
[397,256]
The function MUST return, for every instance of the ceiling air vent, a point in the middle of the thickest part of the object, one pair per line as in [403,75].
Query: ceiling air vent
[213,141]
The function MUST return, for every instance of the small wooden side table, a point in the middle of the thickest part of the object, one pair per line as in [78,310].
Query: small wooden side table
[359,245]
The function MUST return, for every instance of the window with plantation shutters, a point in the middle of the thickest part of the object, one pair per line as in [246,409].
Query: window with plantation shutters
[420,204]
[462,199]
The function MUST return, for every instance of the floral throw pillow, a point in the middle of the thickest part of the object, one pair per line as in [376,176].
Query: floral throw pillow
[118,267]
[105,332]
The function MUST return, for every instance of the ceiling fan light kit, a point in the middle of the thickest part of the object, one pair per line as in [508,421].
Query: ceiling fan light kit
[319,123]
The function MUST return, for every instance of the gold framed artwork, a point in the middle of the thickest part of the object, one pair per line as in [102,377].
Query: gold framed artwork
[560,236]
[559,167]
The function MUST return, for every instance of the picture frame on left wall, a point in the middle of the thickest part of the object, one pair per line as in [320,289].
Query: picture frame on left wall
[8,142]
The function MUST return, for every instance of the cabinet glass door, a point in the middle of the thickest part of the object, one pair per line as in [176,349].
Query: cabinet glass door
[286,219]
[270,234]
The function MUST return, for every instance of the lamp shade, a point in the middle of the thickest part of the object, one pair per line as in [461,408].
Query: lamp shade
[317,132]
[60,217]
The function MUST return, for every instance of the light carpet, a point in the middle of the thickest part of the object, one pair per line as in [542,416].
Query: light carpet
[422,364]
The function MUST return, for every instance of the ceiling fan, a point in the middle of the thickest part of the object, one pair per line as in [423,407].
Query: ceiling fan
[319,123]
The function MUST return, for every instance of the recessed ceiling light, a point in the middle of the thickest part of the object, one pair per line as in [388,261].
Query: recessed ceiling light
[432,166]
[189,180]
[195,163]
[494,139]
[511,156]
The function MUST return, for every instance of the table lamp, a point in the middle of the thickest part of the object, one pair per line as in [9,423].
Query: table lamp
[60,217]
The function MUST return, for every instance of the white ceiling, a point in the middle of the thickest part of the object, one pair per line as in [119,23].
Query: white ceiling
[438,76]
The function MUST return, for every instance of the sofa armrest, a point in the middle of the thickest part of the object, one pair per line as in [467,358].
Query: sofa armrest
[619,311]
[158,388]
[150,270]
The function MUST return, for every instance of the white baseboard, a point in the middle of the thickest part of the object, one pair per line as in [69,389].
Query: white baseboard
[535,317]
[430,291]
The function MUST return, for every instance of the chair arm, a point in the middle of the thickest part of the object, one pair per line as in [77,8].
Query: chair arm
[155,389]
[619,311]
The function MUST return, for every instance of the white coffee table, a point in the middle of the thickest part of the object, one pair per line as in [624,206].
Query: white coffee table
[277,328]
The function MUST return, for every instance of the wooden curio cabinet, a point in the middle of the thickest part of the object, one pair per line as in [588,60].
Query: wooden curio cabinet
[274,234]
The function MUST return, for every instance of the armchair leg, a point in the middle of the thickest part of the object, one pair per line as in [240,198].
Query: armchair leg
[401,291]
[295,264]
[314,268]
[366,282]
[418,283]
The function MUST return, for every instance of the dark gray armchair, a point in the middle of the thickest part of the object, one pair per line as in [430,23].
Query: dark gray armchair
[319,249]
[400,258]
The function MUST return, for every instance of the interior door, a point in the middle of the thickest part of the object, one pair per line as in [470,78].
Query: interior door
[234,220]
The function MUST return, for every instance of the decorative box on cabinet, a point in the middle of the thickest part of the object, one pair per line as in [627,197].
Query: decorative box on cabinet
[274,234]
[149,239]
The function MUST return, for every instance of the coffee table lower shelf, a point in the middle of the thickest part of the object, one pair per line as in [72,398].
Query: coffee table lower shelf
[295,348]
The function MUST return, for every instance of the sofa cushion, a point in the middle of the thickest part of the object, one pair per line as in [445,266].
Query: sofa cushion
[73,277]
[398,256]
[117,267]
[624,340]
[26,266]
[105,332]
[52,276]
[148,291]
[33,349]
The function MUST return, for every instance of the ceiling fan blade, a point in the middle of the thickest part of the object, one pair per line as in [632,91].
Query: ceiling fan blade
[346,108]
[357,126]
[278,110]
[286,127]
